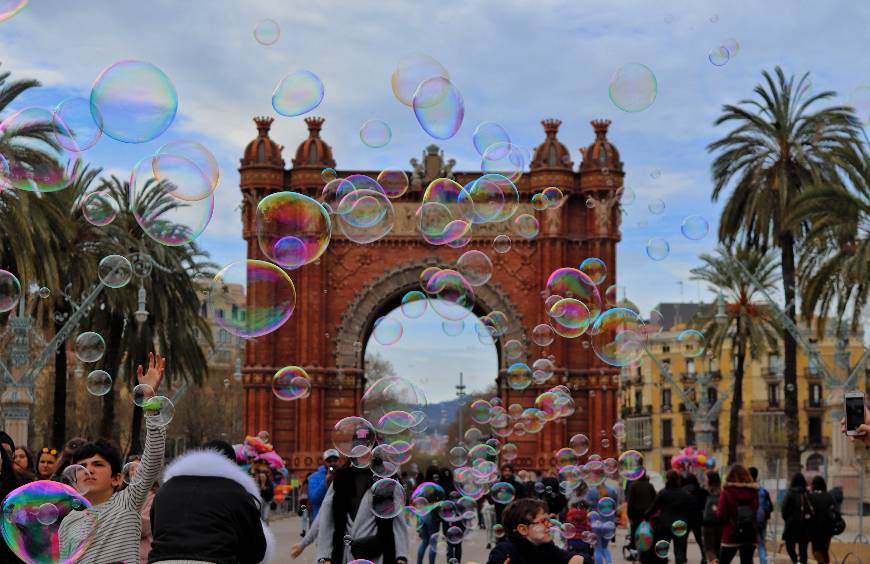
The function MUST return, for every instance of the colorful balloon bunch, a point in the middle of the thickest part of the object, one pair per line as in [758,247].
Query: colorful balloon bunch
[692,458]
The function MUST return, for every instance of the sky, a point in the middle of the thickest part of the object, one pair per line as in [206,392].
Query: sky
[514,62]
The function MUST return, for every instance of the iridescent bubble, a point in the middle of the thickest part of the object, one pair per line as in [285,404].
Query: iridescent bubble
[494,198]
[388,498]
[633,88]
[414,304]
[679,528]
[115,271]
[9,8]
[611,296]
[142,393]
[390,396]
[502,492]
[453,328]
[387,330]
[267,32]
[297,93]
[618,337]
[328,174]
[176,222]
[656,207]
[553,197]
[375,133]
[454,535]
[439,107]
[99,208]
[631,465]
[657,248]
[457,456]
[508,452]
[692,343]
[573,283]
[733,47]
[565,456]
[173,160]
[501,244]
[595,269]
[662,548]
[290,383]
[56,171]
[394,183]
[426,497]
[488,134]
[694,227]
[627,196]
[451,287]
[135,100]
[570,318]
[579,444]
[618,430]
[719,56]
[538,202]
[292,229]
[10,291]
[519,376]
[513,350]
[498,530]
[526,226]
[481,411]
[258,278]
[475,266]
[590,202]
[159,409]
[89,347]
[128,472]
[543,335]
[365,215]
[607,506]
[44,292]
[353,436]
[76,126]
[411,72]
[99,383]
[32,517]
[506,159]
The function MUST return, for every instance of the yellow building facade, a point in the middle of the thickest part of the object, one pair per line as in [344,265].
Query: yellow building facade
[658,424]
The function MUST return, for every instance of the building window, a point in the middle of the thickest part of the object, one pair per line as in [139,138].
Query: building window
[666,348]
[815,395]
[773,394]
[690,431]
[815,430]
[712,395]
[243,315]
[639,372]
[773,366]
[313,157]
[667,433]
[638,399]
[261,153]
[714,364]
[815,462]
[814,364]
[690,366]
[666,399]
[235,312]
[221,313]
[666,364]
[552,158]
[716,434]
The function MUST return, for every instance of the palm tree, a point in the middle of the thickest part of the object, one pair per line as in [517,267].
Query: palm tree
[778,149]
[748,325]
[834,269]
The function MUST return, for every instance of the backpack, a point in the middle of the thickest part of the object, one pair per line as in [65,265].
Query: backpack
[765,507]
[745,529]
[838,524]
[807,511]
[710,517]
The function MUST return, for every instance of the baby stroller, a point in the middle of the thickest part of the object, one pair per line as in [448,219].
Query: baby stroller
[630,553]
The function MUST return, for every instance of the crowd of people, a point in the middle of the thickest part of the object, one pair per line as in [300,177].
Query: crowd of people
[212,505]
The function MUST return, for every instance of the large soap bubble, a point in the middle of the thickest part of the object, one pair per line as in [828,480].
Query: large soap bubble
[619,337]
[411,72]
[258,278]
[297,93]
[29,131]
[292,229]
[633,88]
[439,107]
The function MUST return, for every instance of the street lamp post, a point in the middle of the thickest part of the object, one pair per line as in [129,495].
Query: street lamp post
[460,393]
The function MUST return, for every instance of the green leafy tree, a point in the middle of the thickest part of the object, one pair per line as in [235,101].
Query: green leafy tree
[749,325]
[780,147]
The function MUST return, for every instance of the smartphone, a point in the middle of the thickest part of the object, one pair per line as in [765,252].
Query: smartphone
[854,412]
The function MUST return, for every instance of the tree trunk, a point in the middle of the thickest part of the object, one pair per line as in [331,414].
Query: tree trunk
[737,399]
[58,423]
[793,453]
[111,364]
[136,431]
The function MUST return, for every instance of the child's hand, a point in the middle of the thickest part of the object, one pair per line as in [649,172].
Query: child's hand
[154,375]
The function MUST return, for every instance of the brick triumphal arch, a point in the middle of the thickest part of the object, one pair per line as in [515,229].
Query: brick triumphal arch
[341,294]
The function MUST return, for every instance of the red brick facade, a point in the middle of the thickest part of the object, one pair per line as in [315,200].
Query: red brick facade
[351,285]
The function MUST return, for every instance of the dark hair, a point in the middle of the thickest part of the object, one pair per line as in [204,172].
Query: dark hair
[45,451]
[103,448]
[672,479]
[819,484]
[30,466]
[714,480]
[507,465]
[798,481]
[753,471]
[221,447]
[520,512]
[738,474]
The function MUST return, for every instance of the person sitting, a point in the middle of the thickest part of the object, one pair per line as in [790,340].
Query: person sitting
[527,537]
[208,510]
[118,513]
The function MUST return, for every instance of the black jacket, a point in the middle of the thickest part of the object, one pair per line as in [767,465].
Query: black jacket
[208,509]
[823,519]
[640,497]
[672,504]
[521,551]
[797,513]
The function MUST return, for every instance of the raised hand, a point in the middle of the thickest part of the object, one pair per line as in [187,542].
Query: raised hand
[154,375]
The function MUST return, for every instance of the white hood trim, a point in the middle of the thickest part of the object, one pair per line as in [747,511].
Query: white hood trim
[210,464]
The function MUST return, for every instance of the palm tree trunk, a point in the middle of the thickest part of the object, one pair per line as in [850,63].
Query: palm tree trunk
[737,398]
[112,365]
[58,423]
[793,454]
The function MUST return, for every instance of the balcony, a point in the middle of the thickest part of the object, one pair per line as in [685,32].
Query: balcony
[666,408]
[813,375]
[638,432]
[769,429]
[716,375]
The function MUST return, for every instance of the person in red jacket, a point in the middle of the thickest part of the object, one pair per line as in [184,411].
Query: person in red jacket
[578,516]
[738,504]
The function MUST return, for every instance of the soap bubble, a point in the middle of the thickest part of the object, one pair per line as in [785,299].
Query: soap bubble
[10,291]
[297,93]
[387,330]
[128,472]
[267,32]
[475,266]
[414,304]
[439,107]
[388,498]
[662,548]
[9,8]
[694,227]
[353,436]
[631,465]
[393,182]
[89,347]
[290,383]
[692,342]
[192,183]
[658,248]
[488,134]
[656,207]
[292,229]
[595,269]
[77,127]
[579,444]
[159,409]
[256,278]
[502,492]
[99,208]
[142,393]
[411,72]
[719,56]
[99,382]
[115,271]
[679,528]
[375,133]
[633,88]
[501,244]
[57,168]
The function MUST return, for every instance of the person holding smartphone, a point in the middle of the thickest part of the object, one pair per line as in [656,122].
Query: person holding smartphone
[856,424]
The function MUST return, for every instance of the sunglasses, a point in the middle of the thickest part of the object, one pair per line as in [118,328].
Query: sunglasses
[51,451]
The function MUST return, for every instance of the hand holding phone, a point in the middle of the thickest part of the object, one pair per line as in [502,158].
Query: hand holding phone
[856,424]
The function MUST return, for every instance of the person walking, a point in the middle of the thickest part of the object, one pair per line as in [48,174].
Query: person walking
[208,510]
[507,475]
[738,503]
[798,515]
[765,508]
[712,527]
[672,504]
[825,509]
[320,480]
[639,498]
[692,486]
